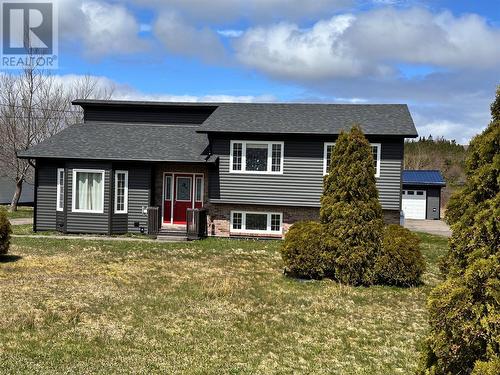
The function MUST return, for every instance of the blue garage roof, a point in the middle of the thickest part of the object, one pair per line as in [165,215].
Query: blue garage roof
[429,177]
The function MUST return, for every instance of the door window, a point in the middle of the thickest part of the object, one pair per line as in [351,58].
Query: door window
[183,189]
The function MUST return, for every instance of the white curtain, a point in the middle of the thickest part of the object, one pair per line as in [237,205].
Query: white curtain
[89,191]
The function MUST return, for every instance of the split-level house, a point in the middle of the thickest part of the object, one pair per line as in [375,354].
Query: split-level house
[255,168]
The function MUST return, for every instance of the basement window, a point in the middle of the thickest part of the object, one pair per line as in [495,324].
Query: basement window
[256,222]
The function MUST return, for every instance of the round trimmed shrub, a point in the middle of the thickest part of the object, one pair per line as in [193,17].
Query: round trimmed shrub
[5,231]
[303,251]
[400,261]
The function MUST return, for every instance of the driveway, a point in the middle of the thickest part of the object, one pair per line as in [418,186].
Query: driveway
[438,227]
[21,221]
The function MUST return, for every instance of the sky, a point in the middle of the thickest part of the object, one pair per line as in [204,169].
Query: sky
[441,57]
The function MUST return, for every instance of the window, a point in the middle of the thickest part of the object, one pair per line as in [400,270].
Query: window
[256,222]
[420,193]
[327,156]
[328,148]
[88,190]
[237,220]
[376,158]
[121,192]
[256,157]
[60,189]
[411,192]
[168,188]
[199,189]
[183,190]
[276,157]
[237,155]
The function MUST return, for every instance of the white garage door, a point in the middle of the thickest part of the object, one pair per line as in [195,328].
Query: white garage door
[413,204]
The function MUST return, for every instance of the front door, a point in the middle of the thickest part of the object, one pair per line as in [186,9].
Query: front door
[180,192]
[183,197]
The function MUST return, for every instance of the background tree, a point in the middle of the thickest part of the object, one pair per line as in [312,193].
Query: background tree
[350,210]
[465,309]
[34,105]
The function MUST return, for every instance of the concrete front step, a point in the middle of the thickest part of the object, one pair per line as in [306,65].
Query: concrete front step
[172,235]
[171,238]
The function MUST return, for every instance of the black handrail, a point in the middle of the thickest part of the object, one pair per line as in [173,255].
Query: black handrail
[196,226]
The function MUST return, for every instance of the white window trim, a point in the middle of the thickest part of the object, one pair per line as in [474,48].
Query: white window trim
[59,203]
[125,193]
[73,190]
[379,148]
[269,157]
[250,231]
[325,161]
[198,177]
[378,145]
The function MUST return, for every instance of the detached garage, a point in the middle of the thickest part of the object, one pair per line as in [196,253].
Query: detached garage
[421,194]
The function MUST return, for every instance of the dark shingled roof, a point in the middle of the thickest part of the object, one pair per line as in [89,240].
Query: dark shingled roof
[423,177]
[374,119]
[291,118]
[162,142]
[123,141]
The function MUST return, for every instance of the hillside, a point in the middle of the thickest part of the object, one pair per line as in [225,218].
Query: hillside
[442,154]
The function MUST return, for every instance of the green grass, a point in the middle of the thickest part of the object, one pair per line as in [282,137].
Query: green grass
[22,212]
[213,306]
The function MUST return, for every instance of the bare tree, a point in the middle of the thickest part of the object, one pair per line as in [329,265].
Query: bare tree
[33,107]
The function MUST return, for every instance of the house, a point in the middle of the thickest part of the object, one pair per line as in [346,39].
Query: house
[8,187]
[256,168]
[421,195]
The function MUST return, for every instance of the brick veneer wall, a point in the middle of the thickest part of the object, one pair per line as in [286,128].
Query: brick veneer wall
[219,216]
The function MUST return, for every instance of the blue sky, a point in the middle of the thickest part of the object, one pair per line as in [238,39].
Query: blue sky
[442,57]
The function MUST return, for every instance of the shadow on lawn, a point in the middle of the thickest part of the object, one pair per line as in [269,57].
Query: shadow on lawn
[7,258]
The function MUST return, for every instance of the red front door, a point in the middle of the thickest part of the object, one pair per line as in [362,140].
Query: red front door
[183,197]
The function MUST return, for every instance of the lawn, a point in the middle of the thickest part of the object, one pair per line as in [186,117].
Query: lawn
[213,306]
[22,212]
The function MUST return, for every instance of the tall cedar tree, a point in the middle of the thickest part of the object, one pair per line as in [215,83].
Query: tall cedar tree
[464,311]
[350,210]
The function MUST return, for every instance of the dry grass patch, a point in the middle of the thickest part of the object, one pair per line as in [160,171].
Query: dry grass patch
[214,306]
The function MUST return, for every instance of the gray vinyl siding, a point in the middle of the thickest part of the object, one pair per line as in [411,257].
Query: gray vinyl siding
[119,223]
[46,196]
[139,195]
[301,183]
[83,222]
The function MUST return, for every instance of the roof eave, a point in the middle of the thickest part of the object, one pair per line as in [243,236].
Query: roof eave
[211,131]
[35,156]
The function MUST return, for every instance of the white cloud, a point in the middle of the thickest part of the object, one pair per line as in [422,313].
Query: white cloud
[370,44]
[460,132]
[285,50]
[103,28]
[182,38]
[230,33]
